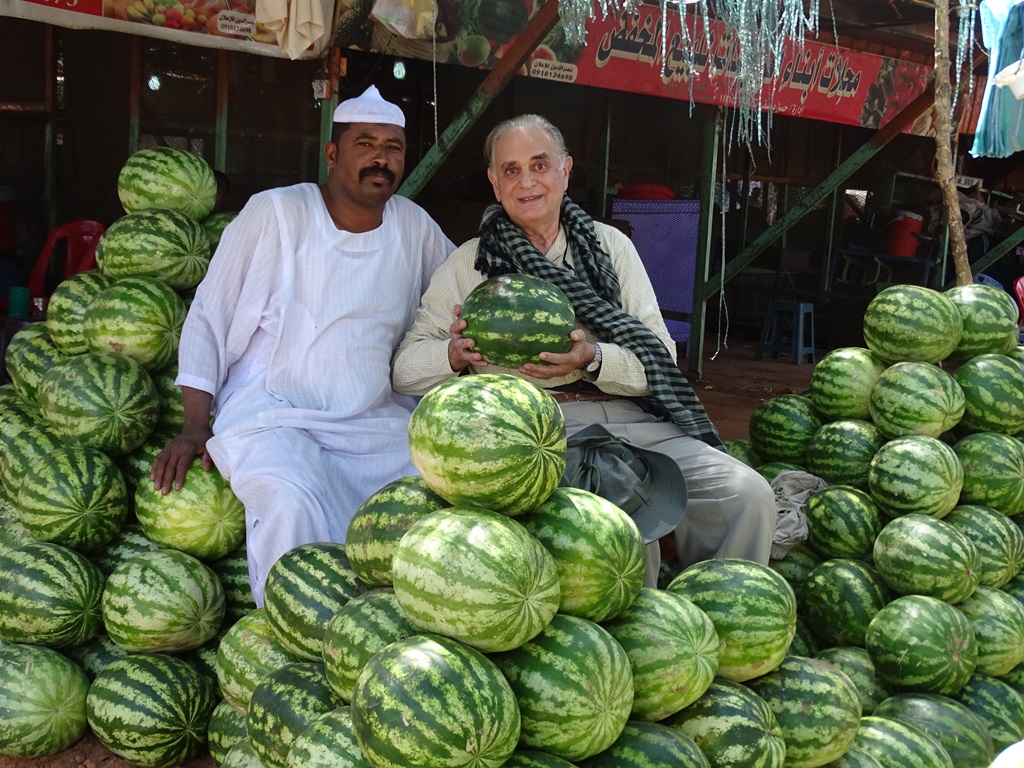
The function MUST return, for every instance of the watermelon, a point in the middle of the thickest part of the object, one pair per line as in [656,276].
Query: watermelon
[897,745]
[242,756]
[743,450]
[795,567]
[841,452]
[598,552]
[66,309]
[993,388]
[15,417]
[287,702]
[915,474]
[781,428]
[733,726]
[139,317]
[531,758]
[920,643]
[138,463]
[990,320]
[168,178]
[49,595]
[248,652]
[172,405]
[919,555]
[30,354]
[856,663]
[513,318]
[998,623]
[574,686]
[162,601]
[381,521]
[855,758]
[233,572]
[94,655]
[214,226]
[824,733]
[998,705]
[151,709]
[773,469]
[43,695]
[13,535]
[841,383]
[649,745]
[841,598]
[22,451]
[960,732]
[672,649]
[1000,543]
[752,607]
[912,398]
[805,642]
[430,702]
[305,587]
[100,399]
[74,496]
[203,519]
[910,322]
[361,627]
[226,728]
[128,542]
[164,244]
[993,471]
[489,440]
[842,521]
[477,576]
[330,742]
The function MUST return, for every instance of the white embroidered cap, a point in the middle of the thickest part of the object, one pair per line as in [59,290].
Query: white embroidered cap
[369,107]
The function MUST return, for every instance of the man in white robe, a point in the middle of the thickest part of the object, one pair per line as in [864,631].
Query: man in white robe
[290,336]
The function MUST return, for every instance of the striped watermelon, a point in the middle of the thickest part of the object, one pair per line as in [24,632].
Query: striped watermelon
[993,388]
[1000,543]
[743,450]
[820,733]
[897,745]
[531,758]
[914,398]
[162,601]
[649,745]
[100,399]
[513,318]
[233,572]
[128,542]
[381,521]
[151,709]
[841,383]
[990,320]
[574,686]
[49,595]
[43,701]
[287,702]
[781,428]
[204,658]
[23,450]
[998,623]
[66,309]
[598,551]
[15,417]
[856,663]
[402,722]
[364,625]
[163,177]
[172,405]
[909,322]
[921,643]
[915,474]
[805,642]
[960,732]
[841,452]
[138,463]
[919,555]
[242,756]
[93,656]
[855,758]
[489,440]
[752,607]
[164,244]
[30,354]
[796,566]
[330,742]
[842,522]
[214,226]
[477,576]
[139,317]
[74,496]
[733,726]
[841,598]
[226,728]
[305,587]
[203,519]
[672,649]
[248,652]
[773,469]
[998,705]
[993,471]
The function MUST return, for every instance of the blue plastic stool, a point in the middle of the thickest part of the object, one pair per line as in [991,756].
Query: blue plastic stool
[788,327]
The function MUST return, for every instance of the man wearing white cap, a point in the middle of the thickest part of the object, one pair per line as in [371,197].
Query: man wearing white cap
[290,336]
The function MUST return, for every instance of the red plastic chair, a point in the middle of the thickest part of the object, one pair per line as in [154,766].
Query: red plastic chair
[80,239]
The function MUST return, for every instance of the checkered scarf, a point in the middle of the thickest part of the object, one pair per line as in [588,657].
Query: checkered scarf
[594,292]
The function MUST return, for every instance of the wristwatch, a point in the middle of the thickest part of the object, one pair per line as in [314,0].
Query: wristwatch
[595,365]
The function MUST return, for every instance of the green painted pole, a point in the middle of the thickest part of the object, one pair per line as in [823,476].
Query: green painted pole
[220,138]
[709,175]
[995,254]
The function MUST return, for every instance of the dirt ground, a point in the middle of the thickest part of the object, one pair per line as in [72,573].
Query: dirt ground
[731,386]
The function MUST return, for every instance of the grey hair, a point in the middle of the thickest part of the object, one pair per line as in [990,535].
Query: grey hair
[525,121]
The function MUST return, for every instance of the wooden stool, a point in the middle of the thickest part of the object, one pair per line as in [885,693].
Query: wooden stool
[788,327]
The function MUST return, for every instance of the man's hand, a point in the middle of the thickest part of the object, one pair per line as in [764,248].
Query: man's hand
[171,464]
[556,366]
[460,355]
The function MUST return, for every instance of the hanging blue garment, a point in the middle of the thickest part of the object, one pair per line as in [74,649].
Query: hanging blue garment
[1000,130]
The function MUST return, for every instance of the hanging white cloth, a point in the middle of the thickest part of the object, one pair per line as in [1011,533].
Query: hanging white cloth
[298,24]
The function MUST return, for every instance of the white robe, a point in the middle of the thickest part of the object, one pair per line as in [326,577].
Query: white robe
[292,331]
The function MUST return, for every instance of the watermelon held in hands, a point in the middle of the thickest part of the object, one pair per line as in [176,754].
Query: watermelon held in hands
[163,177]
[513,318]
[909,322]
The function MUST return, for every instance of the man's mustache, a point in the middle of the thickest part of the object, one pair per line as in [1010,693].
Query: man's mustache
[382,170]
